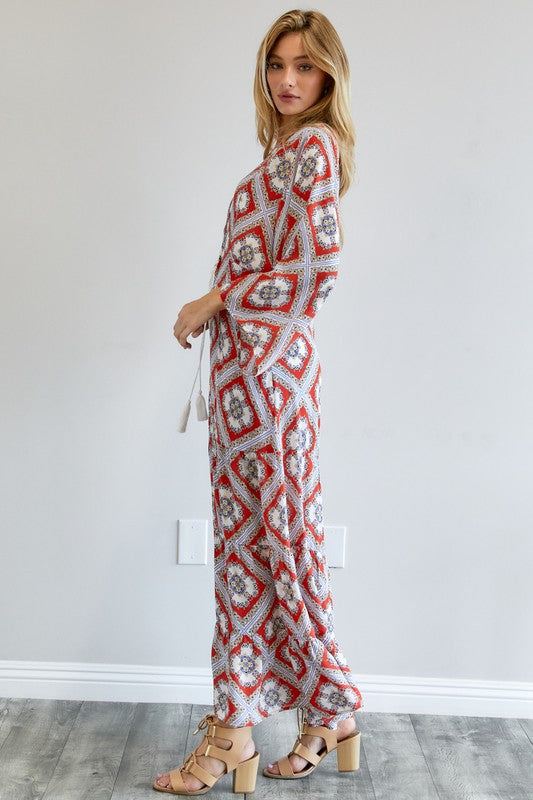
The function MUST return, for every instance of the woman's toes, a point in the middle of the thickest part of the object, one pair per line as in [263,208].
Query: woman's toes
[297,763]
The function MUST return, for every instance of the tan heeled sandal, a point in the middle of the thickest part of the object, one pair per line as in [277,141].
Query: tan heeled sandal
[245,772]
[348,750]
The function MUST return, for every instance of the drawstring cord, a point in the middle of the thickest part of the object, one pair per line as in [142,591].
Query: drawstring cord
[301,716]
[201,407]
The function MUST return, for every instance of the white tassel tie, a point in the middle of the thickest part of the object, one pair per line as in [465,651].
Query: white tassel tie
[201,407]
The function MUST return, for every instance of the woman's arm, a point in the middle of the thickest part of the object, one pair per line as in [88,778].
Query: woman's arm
[272,307]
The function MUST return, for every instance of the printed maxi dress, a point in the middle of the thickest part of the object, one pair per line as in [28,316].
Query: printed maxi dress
[274,645]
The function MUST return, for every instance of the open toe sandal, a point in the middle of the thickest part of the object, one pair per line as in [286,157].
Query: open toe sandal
[347,751]
[244,772]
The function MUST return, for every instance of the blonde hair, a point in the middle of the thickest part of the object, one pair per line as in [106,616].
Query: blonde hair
[325,50]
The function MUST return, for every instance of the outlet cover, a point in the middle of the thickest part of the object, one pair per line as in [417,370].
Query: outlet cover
[192,541]
[335,544]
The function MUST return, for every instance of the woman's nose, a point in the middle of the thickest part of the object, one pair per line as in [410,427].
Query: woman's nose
[288,77]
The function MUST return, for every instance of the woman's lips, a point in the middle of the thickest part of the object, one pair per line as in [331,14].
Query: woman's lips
[287,97]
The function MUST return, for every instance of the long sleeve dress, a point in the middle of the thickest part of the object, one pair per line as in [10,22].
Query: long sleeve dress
[274,645]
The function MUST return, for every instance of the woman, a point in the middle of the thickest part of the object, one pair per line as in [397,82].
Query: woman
[274,646]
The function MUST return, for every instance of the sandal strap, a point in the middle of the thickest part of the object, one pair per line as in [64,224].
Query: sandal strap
[328,734]
[223,755]
[201,773]
[238,738]
[284,766]
[231,757]
[176,780]
[301,750]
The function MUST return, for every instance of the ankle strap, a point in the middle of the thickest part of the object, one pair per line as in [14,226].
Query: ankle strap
[329,735]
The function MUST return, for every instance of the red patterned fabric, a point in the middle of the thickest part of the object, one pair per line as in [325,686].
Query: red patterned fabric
[274,645]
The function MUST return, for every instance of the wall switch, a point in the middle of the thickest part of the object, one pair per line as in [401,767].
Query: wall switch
[192,541]
[335,544]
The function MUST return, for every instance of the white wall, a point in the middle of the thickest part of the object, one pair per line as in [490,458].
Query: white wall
[125,127]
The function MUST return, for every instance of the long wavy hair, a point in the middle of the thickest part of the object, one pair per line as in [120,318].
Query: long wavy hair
[325,50]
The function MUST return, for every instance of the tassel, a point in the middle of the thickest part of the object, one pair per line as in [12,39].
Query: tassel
[182,427]
[201,408]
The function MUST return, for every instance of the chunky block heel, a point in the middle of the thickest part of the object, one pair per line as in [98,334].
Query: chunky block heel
[245,774]
[348,753]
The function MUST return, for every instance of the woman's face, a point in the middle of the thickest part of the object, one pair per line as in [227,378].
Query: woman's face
[295,82]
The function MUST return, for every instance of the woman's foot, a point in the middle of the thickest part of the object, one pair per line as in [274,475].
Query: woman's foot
[213,765]
[315,743]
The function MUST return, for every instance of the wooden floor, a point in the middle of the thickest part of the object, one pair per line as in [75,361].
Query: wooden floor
[69,750]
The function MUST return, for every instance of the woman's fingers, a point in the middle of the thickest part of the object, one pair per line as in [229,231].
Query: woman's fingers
[182,338]
[188,317]
[181,331]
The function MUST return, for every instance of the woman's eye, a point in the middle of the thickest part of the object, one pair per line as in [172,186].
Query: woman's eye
[275,65]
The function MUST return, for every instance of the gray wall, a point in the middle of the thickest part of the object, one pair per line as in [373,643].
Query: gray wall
[125,127]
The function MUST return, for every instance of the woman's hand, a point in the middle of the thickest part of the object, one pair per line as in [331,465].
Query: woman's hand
[193,316]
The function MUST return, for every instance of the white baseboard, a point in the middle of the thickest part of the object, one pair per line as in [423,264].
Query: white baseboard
[149,684]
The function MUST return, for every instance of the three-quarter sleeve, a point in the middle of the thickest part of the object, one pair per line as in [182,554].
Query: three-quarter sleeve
[271,307]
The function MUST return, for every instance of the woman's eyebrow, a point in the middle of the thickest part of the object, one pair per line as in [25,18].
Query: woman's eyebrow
[275,55]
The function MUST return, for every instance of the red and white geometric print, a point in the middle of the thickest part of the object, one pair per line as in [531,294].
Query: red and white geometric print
[324,225]
[232,513]
[273,292]
[277,171]
[274,645]
[237,409]
[249,253]
[313,166]
[244,201]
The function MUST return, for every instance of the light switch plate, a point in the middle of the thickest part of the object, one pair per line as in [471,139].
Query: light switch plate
[192,541]
[335,544]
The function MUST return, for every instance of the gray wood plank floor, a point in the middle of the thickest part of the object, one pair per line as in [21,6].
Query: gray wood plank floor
[70,750]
